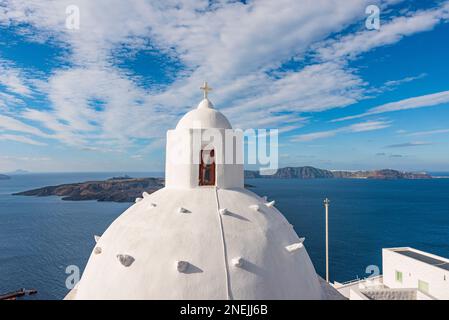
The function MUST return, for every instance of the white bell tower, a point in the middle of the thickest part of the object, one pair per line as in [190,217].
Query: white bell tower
[204,150]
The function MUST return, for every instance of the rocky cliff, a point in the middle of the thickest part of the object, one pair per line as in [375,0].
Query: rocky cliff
[315,173]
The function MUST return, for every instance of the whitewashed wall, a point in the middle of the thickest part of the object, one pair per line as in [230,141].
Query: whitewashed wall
[412,271]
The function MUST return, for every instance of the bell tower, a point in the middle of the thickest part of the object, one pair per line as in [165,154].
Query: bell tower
[203,150]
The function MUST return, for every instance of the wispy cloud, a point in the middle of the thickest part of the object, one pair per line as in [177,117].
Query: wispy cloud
[428,133]
[409,144]
[232,54]
[11,124]
[395,83]
[21,139]
[12,79]
[350,46]
[25,159]
[240,52]
[429,100]
[358,127]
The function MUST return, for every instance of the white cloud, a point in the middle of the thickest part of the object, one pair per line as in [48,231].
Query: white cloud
[21,139]
[350,46]
[354,128]
[315,135]
[428,133]
[239,42]
[12,124]
[12,79]
[395,83]
[429,100]
[368,126]
[25,159]
[236,46]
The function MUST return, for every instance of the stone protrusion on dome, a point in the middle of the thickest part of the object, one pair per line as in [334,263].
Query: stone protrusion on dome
[270,204]
[182,266]
[125,259]
[145,194]
[96,238]
[138,200]
[295,246]
[238,262]
[255,207]
[183,210]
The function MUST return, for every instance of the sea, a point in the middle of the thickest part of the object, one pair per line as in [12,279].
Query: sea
[42,238]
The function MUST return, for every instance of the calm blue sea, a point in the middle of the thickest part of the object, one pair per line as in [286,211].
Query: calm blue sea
[40,237]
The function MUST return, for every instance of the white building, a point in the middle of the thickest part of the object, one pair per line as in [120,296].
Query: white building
[203,236]
[408,274]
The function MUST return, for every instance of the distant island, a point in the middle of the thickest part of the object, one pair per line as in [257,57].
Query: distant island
[117,189]
[4,177]
[315,173]
[127,189]
[20,171]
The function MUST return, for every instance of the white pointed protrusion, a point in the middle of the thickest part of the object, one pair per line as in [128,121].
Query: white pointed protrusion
[183,210]
[97,238]
[182,266]
[97,250]
[295,246]
[224,211]
[138,200]
[270,204]
[255,207]
[151,206]
[125,260]
[145,194]
[237,262]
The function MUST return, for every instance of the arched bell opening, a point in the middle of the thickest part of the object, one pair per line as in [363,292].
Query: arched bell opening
[207,170]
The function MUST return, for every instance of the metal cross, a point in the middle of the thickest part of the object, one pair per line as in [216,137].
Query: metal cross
[206,89]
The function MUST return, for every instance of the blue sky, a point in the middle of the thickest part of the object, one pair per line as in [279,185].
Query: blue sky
[343,97]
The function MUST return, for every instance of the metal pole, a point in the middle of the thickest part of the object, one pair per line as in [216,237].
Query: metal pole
[326,205]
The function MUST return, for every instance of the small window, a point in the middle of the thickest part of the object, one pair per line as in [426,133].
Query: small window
[423,286]
[399,276]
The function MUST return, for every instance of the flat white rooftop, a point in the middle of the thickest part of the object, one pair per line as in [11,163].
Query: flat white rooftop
[408,274]
[422,256]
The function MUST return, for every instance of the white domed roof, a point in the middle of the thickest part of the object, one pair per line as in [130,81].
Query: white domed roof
[199,243]
[190,241]
[204,116]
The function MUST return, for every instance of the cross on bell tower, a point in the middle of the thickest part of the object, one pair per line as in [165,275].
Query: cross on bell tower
[206,89]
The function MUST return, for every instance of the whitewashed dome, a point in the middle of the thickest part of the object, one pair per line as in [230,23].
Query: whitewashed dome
[204,116]
[188,241]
